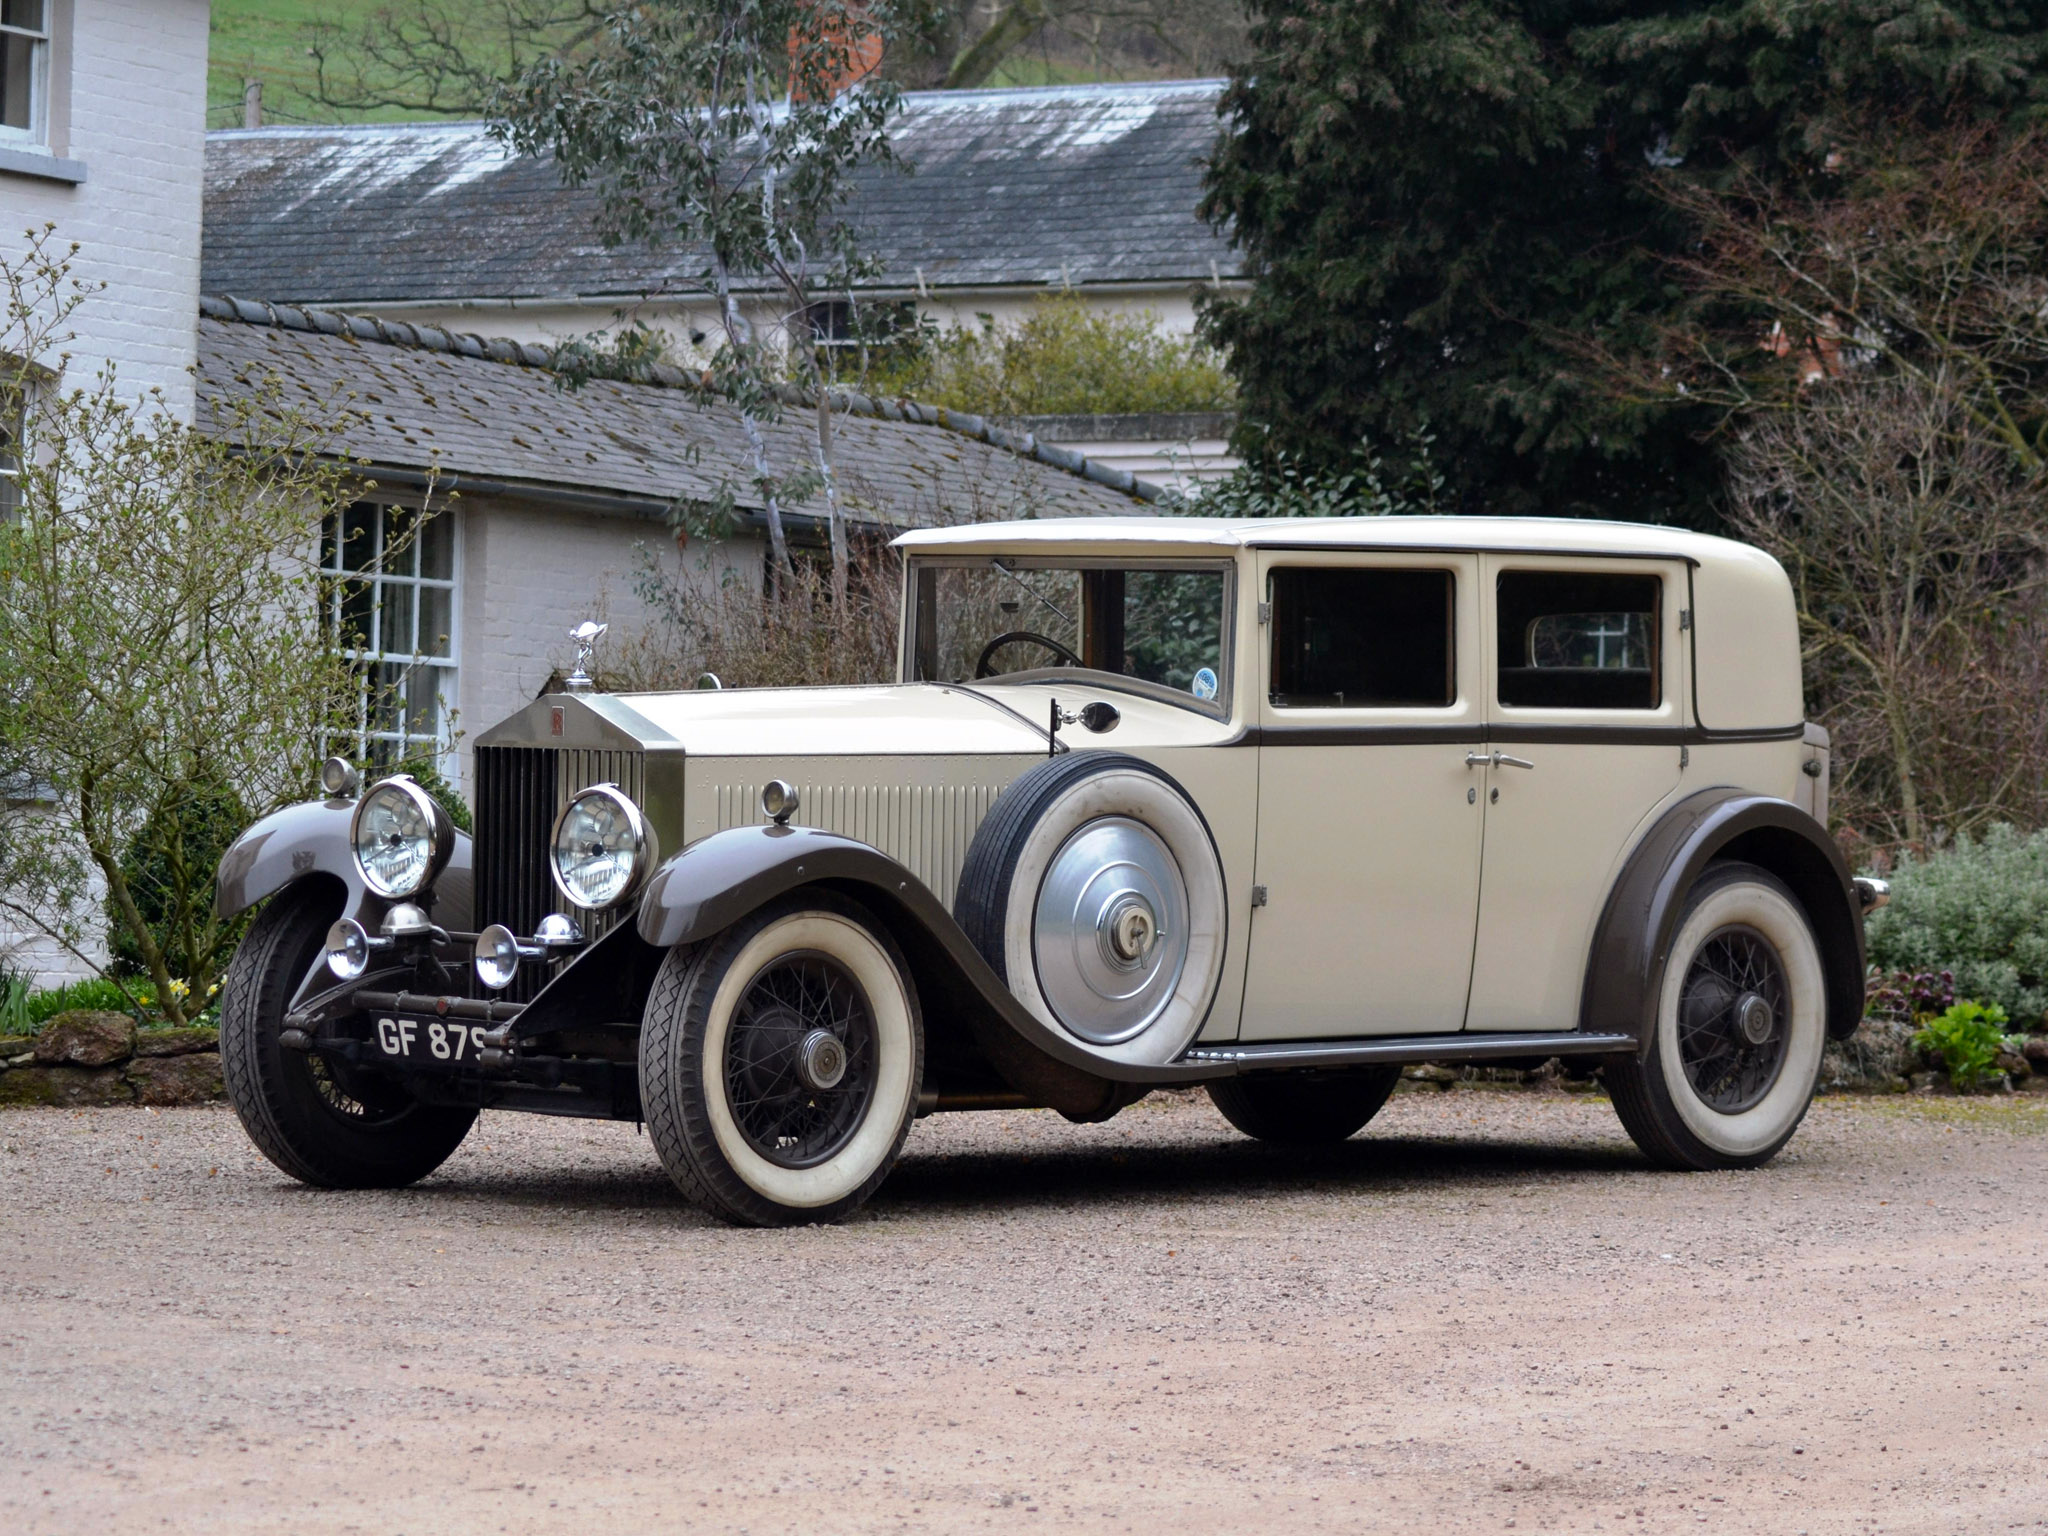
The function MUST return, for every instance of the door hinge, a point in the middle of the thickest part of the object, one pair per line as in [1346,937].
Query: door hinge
[1265,613]
[1684,758]
[1685,618]
[1258,895]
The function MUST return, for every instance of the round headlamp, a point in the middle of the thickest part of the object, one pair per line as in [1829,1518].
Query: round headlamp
[401,838]
[603,848]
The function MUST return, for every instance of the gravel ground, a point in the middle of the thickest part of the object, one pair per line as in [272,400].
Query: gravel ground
[1481,1314]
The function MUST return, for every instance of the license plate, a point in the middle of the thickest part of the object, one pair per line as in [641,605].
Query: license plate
[429,1039]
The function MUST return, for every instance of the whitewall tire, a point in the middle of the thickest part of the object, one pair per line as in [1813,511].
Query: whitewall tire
[780,1063]
[1741,1022]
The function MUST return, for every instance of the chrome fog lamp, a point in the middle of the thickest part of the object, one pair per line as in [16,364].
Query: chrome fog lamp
[401,838]
[338,777]
[603,848]
[497,957]
[348,949]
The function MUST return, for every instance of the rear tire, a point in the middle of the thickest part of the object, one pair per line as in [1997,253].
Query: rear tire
[780,1062]
[1714,1091]
[1304,1108]
[356,1134]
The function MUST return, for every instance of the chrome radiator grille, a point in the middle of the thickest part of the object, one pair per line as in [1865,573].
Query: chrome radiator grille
[519,792]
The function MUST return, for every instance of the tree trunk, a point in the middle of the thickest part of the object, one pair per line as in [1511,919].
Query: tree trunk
[740,333]
[1013,24]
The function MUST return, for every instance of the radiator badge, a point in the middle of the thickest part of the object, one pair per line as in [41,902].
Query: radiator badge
[557,717]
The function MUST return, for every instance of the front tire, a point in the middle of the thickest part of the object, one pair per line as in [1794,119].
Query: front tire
[324,1129]
[780,1063]
[1304,1108]
[1741,1020]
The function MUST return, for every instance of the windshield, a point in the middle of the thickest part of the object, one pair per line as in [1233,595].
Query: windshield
[1162,625]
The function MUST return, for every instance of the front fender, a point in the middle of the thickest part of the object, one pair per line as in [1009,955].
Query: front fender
[1625,973]
[312,839]
[719,879]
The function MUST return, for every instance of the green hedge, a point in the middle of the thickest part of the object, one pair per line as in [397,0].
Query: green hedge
[1978,908]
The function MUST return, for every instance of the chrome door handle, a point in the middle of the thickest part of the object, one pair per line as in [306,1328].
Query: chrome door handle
[1496,760]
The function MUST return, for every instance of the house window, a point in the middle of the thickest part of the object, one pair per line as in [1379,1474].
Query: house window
[394,614]
[10,451]
[24,70]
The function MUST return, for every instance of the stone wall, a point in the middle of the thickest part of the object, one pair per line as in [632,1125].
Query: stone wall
[94,1058]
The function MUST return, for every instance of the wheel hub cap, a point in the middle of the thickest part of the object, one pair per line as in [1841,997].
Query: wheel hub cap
[1110,932]
[1753,1017]
[821,1059]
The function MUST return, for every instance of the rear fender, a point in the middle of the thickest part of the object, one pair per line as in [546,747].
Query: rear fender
[312,841]
[1625,974]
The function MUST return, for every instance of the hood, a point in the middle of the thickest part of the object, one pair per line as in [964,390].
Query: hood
[752,722]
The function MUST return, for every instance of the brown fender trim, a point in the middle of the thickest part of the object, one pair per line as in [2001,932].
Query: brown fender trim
[1625,972]
[719,879]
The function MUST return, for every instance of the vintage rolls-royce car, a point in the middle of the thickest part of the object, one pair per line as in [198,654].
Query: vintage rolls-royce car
[1271,807]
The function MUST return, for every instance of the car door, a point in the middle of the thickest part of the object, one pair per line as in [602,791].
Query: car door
[1368,817]
[1587,682]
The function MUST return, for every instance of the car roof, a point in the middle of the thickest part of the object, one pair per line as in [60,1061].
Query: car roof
[1562,535]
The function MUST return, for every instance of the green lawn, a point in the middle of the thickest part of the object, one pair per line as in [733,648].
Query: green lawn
[266,40]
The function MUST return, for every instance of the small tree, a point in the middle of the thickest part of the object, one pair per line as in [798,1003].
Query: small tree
[730,128]
[163,644]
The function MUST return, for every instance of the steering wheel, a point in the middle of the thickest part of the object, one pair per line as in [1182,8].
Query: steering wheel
[1010,637]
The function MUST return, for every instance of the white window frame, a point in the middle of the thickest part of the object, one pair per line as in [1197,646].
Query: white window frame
[446,673]
[37,133]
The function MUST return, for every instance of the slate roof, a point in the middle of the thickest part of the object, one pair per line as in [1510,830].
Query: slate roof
[491,414]
[1068,184]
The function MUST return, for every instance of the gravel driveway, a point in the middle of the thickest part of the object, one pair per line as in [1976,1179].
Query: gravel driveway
[1480,1314]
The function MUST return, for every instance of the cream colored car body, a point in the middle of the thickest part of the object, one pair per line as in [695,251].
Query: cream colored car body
[1386,872]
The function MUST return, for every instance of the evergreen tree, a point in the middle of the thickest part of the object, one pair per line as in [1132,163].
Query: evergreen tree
[1445,213]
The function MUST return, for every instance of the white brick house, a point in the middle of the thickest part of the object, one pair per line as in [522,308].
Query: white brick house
[103,134]
[103,137]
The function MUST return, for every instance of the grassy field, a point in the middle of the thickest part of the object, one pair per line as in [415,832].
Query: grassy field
[266,40]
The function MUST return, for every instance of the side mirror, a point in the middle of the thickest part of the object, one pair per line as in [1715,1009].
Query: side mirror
[1100,717]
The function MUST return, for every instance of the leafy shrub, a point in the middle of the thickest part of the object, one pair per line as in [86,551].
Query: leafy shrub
[170,864]
[1282,485]
[14,995]
[1978,907]
[94,992]
[1909,997]
[1066,357]
[1967,1039]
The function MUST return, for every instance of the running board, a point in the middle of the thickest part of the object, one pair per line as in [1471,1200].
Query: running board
[1405,1050]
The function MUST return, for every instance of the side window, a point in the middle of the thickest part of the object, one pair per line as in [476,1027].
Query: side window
[1362,638]
[1571,640]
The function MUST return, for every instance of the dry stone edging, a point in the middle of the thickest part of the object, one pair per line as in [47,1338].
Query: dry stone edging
[90,1058]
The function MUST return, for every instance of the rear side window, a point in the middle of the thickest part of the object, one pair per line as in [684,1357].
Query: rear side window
[1578,641]
[1362,638]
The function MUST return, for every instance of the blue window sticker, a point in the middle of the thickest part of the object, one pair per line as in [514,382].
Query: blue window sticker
[1204,685]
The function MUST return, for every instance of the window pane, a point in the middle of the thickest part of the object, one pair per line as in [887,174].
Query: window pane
[394,619]
[1571,640]
[436,637]
[437,547]
[10,453]
[17,81]
[1173,628]
[1362,639]
[401,549]
[358,608]
[26,14]
[359,537]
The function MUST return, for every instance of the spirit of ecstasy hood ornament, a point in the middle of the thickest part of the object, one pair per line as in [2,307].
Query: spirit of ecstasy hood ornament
[586,635]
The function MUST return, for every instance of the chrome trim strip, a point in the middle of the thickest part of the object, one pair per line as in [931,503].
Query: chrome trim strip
[1407,1049]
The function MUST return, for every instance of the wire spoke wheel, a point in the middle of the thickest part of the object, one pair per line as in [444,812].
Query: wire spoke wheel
[1732,1019]
[800,1060]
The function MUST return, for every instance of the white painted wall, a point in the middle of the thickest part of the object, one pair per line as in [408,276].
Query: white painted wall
[530,574]
[128,103]
[545,321]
